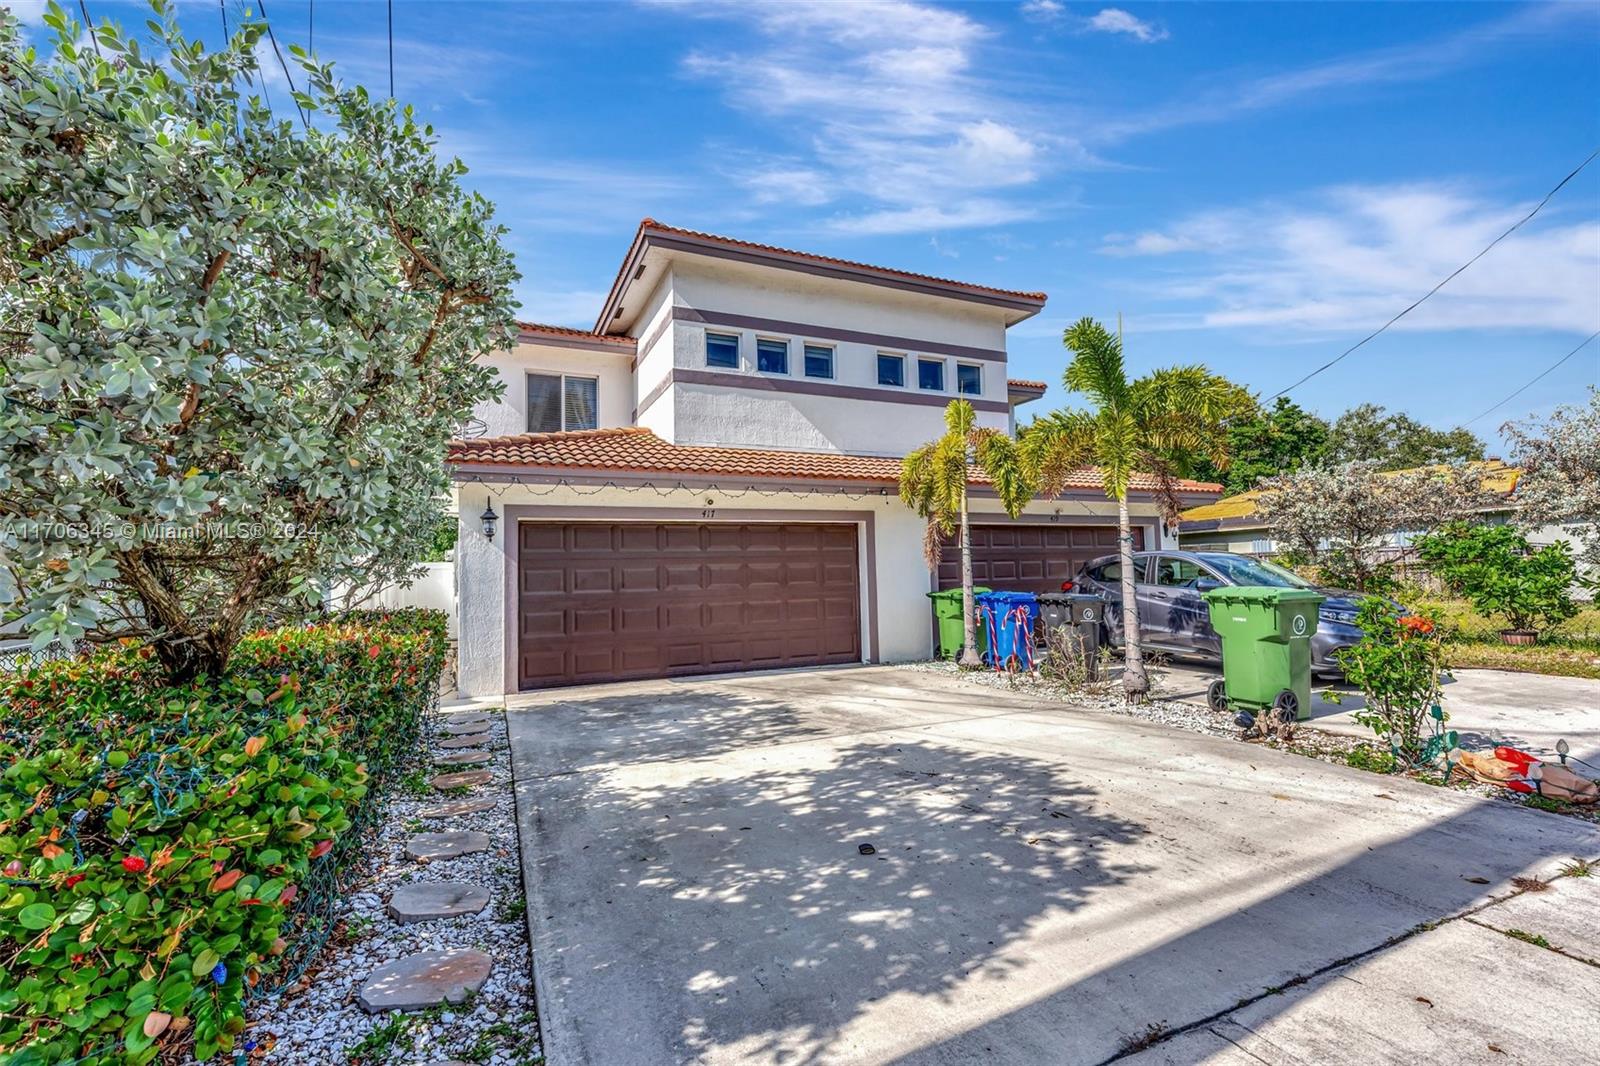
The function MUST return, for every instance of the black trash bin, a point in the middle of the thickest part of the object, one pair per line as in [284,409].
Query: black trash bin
[1081,614]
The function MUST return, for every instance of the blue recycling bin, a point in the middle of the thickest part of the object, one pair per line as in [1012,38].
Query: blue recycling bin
[1009,618]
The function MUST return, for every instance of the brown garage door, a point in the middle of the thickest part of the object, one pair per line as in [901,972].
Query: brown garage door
[1029,558]
[612,601]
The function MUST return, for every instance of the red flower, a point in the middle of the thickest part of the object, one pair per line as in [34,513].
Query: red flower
[322,848]
[374,651]
[1417,624]
[74,879]
[133,864]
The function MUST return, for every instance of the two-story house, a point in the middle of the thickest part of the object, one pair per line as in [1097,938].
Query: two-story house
[707,480]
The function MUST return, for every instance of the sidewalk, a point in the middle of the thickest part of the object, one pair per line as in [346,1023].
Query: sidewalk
[1515,981]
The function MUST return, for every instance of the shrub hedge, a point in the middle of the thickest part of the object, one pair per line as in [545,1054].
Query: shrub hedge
[166,850]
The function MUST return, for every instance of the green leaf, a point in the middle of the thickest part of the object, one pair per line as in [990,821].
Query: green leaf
[36,916]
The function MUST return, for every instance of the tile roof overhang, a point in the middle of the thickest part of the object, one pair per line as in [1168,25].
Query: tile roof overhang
[653,234]
[1020,390]
[637,451]
[565,337]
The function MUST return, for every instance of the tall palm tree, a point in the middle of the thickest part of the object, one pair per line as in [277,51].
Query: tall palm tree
[1157,425]
[933,482]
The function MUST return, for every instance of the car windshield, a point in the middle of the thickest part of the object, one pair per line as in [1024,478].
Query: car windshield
[1242,570]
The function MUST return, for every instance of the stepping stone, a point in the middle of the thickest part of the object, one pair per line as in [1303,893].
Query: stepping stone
[466,779]
[457,808]
[424,901]
[446,845]
[462,758]
[424,980]
[464,742]
[472,725]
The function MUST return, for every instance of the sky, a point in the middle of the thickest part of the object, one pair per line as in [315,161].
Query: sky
[1253,186]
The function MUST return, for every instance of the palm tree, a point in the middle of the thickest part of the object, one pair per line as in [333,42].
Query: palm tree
[1157,425]
[933,482]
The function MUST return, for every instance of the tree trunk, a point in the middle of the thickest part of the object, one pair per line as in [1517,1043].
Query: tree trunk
[1134,682]
[970,659]
[188,660]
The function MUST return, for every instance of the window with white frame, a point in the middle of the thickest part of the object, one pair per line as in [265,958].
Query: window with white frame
[772,356]
[722,349]
[819,361]
[891,370]
[969,379]
[559,402]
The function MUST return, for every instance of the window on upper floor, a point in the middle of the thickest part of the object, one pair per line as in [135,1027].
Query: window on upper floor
[819,361]
[930,374]
[969,379]
[772,357]
[722,349]
[891,370]
[558,402]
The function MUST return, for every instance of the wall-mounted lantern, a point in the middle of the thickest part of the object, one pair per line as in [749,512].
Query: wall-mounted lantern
[489,519]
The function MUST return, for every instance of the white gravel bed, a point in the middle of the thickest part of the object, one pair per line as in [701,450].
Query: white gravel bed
[317,1022]
[1308,740]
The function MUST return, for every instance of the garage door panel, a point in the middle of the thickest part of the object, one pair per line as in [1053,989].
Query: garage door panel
[1029,558]
[611,601]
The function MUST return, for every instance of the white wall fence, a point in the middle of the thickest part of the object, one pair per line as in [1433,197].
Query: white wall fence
[435,588]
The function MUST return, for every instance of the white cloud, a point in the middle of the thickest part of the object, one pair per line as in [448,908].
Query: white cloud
[882,104]
[1350,257]
[28,12]
[1043,10]
[1116,20]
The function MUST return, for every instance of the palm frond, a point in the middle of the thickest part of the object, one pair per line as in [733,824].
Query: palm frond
[1000,458]
[959,418]
[1096,368]
[1056,445]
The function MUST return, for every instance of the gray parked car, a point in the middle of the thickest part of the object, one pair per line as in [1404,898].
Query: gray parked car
[1173,618]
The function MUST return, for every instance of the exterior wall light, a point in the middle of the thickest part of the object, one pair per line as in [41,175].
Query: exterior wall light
[489,519]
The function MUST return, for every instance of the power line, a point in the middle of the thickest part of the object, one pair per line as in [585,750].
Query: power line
[1514,227]
[304,120]
[391,49]
[88,23]
[1536,378]
[222,6]
[311,25]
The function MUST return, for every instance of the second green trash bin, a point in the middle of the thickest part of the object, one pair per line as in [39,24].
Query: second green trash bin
[947,616]
[1266,646]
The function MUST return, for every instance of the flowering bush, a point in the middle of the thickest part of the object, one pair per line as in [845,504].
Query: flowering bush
[1396,665]
[157,842]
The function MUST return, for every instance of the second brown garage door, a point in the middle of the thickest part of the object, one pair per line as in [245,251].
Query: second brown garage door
[618,601]
[1028,558]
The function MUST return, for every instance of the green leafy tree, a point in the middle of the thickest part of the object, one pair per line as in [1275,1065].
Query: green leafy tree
[1560,461]
[1497,569]
[1158,426]
[1368,434]
[1264,444]
[1341,519]
[933,482]
[232,345]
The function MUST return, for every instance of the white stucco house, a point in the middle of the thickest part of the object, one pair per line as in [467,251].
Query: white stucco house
[707,480]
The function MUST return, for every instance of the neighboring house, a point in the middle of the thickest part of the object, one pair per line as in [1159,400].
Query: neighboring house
[708,481]
[1232,524]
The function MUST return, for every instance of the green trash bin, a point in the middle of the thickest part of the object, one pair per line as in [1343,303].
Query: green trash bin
[947,617]
[1266,647]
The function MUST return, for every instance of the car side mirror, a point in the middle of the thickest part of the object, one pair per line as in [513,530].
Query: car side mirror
[1206,584]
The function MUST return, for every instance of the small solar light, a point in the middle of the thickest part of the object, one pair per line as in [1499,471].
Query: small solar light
[1562,747]
[489,519]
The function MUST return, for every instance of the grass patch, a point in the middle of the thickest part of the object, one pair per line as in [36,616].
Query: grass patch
[1560,660]
[1367,757]
[1528,938]
[1571,649]
[1545,803]
[1139,1041]
[1579,868]
[511,910]
[381,1044]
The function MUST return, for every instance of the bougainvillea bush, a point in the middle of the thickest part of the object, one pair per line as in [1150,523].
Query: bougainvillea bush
[160,846]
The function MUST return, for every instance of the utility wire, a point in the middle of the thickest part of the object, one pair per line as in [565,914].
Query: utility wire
[222,6]
[1514,227]
[88,22]
[391,49]
[304,119]
[1536,378]
[311,25]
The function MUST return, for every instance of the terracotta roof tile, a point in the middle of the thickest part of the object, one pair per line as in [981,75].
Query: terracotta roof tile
[543,329]
[638,450]
[1024,383]
[734,242]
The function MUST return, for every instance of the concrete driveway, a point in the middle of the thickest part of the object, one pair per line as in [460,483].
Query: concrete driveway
[1048,884]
